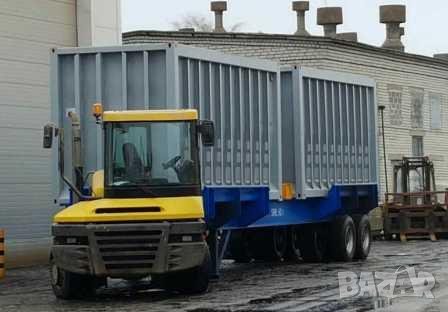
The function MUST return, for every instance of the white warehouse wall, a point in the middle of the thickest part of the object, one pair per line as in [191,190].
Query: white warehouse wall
[99,22]
[28,30]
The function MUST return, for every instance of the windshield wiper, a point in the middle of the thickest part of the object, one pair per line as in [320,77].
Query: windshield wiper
[141,187]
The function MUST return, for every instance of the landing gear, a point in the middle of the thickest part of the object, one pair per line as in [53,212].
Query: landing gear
[364,237]
[239,247]
[67,285]
[343,239]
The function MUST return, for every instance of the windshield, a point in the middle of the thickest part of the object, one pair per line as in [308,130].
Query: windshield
[151,154]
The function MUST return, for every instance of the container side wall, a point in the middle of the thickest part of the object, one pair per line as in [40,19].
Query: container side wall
[243,103]
[337,128]
[240,95]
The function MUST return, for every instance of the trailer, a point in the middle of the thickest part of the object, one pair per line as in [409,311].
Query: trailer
[292,173]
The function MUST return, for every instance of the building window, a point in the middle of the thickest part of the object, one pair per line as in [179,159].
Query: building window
[435,103]
[395,101]
[417,99]
[417,146]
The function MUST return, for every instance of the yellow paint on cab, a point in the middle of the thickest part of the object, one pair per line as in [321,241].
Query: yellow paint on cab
[98,184]
[150,115]
[171,208]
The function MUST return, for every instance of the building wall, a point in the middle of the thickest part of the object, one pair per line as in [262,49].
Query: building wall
[99,22]
[391,70]
[28,31]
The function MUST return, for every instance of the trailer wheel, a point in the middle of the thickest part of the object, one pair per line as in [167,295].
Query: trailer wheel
[293,251]
[364,237]
[313,243]
[344,239]
[67,285]
[269,244]
[239,247]
[190,282]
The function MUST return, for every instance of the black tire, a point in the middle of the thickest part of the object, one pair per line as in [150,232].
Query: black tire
[364,237]
[269,244]
[190,282]
[239,247]
[313,243]
[293,252]
[343,239]
[67,285]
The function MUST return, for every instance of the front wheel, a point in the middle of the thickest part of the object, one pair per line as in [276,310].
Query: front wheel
[191,282]
[67,285]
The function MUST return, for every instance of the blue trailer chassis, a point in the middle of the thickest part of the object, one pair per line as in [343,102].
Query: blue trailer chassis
[232,208]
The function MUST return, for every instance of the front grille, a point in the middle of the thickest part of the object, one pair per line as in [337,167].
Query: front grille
[127,250]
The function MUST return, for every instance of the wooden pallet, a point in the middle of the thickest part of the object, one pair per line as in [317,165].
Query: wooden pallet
[418,223]
[404,237]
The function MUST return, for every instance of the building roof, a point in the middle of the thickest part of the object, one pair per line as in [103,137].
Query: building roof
[257,38]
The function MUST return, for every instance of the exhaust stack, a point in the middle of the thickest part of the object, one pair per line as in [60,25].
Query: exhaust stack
[393,16]
[219,7]
[330,18]
[301,7]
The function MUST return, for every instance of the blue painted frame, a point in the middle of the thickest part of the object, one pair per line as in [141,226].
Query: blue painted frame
[238,208]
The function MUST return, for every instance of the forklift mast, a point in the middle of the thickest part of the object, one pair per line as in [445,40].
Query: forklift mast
[414,175]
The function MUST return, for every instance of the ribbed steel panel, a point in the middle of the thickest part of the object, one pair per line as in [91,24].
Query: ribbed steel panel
[329,130]
[241,95]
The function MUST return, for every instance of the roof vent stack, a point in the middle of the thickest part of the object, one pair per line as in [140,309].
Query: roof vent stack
[219,7]
[301,7]
[330,18]
[393,16]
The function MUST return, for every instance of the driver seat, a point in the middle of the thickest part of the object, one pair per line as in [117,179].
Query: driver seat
[133,164]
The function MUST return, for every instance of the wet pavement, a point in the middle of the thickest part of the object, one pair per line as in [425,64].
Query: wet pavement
[266,286]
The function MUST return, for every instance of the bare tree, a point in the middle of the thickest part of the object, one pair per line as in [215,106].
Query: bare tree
[201,23]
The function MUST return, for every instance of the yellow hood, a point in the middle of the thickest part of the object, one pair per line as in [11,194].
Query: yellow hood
[135,209]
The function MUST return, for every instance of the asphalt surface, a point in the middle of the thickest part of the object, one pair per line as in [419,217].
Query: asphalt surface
[257,287]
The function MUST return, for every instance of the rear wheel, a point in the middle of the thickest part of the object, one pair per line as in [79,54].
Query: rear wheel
[364,237]
[343,239]
[269,244]
[293,250]
[313,243]
[67,285]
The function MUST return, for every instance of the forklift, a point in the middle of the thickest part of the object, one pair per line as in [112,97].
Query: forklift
[415,208]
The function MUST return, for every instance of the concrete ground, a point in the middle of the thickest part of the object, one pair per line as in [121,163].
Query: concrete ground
[259,287]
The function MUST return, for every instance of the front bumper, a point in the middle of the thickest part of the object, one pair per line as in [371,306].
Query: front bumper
[126,250]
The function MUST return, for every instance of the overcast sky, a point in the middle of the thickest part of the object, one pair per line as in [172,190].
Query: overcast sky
[426,27]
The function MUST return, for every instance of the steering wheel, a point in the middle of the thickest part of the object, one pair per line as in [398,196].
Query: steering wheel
[172,162]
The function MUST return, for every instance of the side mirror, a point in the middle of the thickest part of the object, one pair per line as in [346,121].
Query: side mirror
[207,131]
[48,136]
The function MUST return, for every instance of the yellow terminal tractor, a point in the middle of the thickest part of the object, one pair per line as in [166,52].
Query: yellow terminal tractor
[144,213]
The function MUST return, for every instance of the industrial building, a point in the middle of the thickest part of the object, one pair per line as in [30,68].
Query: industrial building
[29,30]
[413,88]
